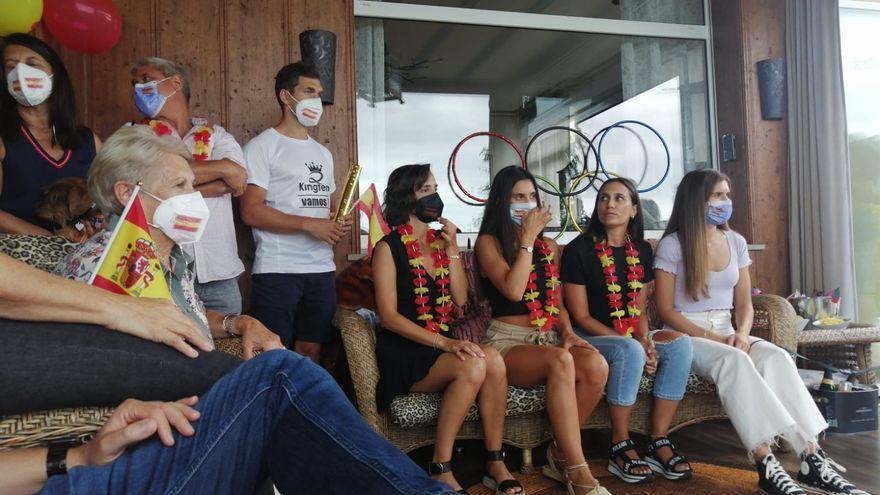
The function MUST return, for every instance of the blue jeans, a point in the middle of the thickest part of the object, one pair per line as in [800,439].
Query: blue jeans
[626,360]
[221,295]
[277,415]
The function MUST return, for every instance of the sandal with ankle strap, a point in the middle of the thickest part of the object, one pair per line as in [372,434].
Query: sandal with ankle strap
[553,470]
[667,469]
[435,468]
[596,489]
[627,471]
[502,487]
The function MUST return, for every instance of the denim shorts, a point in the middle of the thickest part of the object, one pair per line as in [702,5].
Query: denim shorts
[296,306]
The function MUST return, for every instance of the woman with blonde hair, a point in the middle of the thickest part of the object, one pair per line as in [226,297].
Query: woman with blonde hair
[701,273]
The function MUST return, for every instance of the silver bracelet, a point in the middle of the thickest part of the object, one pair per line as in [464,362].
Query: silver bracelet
[228,324]
[436,338]
[454,257]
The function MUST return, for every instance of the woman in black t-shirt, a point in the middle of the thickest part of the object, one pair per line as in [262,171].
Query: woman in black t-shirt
[418,275]
[603,271]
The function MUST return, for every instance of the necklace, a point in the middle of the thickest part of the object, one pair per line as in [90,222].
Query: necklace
[625,322]
[543,316]
[441,278]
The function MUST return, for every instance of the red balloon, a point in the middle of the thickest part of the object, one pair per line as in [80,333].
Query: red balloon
[88,26]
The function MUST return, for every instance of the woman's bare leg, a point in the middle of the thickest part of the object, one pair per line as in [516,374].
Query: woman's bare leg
[460,381]
[531,365]
[492,402]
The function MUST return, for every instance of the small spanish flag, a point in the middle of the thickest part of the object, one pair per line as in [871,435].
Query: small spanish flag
[129,264]
[370,205]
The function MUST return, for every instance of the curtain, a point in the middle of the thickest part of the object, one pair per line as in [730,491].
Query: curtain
[820,204]
[369,58]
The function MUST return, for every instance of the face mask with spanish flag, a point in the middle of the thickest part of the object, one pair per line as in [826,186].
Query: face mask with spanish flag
[28,85]
[183,218]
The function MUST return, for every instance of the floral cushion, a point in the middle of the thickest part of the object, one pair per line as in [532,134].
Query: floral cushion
[419,409]
[43,252]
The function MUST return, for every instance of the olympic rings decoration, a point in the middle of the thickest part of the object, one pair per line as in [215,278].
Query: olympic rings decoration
[591,147]
[562,203]
[568,206]
[604,132]
[451,171]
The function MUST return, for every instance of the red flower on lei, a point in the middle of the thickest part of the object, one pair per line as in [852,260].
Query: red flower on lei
[543,316]
[201,137]
[625,322]
[441,278]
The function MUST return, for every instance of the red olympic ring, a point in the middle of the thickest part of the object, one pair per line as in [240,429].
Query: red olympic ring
[458,146]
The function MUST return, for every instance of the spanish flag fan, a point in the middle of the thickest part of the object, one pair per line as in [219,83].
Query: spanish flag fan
[129,264]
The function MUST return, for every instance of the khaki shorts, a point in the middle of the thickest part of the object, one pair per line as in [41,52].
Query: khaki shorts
[504,336]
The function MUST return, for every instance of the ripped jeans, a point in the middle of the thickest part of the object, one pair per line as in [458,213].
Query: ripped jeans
[761,390]
[626,360]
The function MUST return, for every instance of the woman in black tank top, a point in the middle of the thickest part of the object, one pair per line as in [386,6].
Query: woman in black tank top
[418,276]
[40,141]
[530,326]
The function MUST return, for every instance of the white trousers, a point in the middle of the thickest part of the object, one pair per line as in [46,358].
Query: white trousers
[761,390]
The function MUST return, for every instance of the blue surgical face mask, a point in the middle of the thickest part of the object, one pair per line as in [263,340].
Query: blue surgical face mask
[147,98]
[719,212]
[519,210]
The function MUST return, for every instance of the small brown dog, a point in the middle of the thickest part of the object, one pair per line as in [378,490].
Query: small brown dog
[67,204]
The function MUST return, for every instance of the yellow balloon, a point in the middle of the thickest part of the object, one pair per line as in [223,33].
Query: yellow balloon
[19,16]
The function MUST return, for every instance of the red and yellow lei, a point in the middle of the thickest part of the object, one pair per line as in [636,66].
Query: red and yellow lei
[201,137]
[543,316]
[441,278]
[158,126]
[623,324]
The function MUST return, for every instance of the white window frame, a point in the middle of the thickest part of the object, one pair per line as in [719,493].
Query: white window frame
[550,22]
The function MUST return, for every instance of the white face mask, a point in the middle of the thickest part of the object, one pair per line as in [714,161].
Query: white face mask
[28,85]
[183,218]
[307,112]
[519,210]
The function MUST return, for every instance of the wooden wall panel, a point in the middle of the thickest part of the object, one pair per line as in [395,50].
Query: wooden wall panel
[745,32]
[256,47]
[109,86]
[768,148]
[192,34]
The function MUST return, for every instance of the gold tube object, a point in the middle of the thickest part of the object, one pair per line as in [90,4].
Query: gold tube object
[347,200]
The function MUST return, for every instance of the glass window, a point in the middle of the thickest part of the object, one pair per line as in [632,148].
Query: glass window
[422,87]
[669,11]
[861,78]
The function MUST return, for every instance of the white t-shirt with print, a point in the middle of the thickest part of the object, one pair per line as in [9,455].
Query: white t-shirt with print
[297,175]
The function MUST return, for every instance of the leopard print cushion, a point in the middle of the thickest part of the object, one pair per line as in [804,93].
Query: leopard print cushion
[419,409]
[43,252]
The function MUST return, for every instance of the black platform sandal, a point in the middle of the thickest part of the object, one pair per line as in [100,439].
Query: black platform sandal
[667,469]
[500,488]
[627,472]
[435,468]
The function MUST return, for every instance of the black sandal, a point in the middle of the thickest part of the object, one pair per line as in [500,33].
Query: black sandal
[627,472]
[667,469]
[435,468]
[500,488]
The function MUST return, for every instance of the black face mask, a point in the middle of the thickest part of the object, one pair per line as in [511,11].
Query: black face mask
[429,208]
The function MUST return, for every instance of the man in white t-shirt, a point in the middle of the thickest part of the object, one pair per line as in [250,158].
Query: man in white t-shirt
[161,94]
[287,202]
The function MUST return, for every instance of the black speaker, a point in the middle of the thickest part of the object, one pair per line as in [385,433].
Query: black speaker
[771,85]
[318,48]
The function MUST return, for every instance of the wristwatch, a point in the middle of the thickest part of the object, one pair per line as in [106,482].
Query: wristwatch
[56,457]
[528,249]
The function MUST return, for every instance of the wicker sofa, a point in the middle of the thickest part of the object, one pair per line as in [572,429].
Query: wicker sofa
[39,427]
[410,421]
